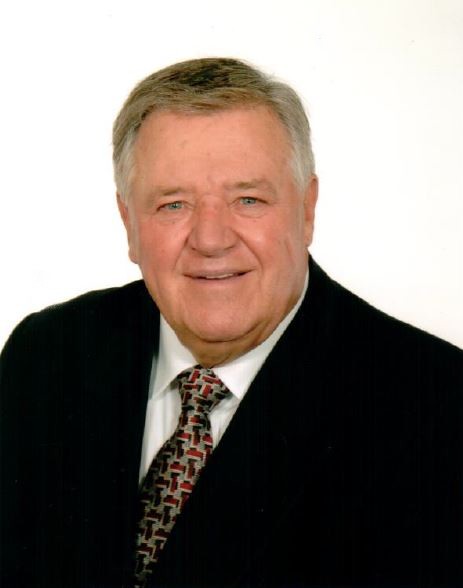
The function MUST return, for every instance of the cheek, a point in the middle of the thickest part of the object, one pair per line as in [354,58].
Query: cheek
[159,249]
[276,241]
[293,248]
[292,232]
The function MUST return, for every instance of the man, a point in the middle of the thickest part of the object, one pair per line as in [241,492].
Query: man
[236,418]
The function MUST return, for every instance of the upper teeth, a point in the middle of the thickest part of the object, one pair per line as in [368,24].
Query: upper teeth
[219,277]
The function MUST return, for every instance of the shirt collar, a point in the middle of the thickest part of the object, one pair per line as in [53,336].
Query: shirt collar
[237,374]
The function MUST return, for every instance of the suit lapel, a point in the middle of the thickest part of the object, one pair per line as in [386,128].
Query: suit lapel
[114,426]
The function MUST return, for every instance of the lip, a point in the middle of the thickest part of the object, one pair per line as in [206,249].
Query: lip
[216,276]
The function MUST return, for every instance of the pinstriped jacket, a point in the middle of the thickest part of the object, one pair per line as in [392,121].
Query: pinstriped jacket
[343,465]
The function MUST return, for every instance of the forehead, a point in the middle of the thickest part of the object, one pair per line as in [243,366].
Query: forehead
[241,137]
[255,121]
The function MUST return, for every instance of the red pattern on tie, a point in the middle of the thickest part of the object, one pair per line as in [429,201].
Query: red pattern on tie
[176,468]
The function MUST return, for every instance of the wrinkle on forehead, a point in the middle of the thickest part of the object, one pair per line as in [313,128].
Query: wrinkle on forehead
[236,149]
[164,191]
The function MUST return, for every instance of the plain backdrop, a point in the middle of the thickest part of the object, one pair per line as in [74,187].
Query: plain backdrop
[383,84]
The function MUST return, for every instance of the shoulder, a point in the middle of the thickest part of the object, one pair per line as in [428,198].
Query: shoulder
[359,328]
[103,301]
[85,316]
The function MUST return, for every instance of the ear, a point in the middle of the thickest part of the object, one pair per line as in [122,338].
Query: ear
[123,210]
[125,216]
[310,201]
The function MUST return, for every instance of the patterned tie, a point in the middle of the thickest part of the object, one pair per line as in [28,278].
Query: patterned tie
[176,468]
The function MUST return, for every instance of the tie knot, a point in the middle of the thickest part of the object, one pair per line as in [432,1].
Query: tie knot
[200,389]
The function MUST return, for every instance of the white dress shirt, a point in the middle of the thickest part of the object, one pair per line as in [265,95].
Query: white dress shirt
[164,404]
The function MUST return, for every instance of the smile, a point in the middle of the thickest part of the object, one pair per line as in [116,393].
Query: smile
[221,277]
[215,276]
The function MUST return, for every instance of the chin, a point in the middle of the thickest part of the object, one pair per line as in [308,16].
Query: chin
[221,334]
[222,329]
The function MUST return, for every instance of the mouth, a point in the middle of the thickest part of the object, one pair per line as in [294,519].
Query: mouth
[216,276]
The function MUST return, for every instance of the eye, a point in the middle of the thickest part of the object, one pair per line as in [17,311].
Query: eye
[251,206]
[248,200]
[177,205]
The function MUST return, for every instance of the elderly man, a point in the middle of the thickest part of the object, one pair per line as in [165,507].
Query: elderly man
[236,418]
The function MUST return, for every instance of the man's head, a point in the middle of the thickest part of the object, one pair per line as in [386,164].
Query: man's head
[217,191]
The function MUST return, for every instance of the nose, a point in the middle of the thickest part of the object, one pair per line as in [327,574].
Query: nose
[212,233]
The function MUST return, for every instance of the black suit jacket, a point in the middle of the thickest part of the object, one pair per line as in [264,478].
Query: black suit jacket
[343,465]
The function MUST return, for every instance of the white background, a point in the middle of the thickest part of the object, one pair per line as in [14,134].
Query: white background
[383,83]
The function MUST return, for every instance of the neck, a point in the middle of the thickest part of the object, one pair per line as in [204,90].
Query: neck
[213,353]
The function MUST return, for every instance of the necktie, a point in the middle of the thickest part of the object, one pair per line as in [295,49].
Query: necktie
[176,468]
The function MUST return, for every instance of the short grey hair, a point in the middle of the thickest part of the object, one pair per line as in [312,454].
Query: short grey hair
[208,85]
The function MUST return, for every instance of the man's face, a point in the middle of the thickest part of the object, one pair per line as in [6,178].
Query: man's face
[218,227]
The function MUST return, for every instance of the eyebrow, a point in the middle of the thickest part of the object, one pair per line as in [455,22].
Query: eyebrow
[166,191]
[251,185]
